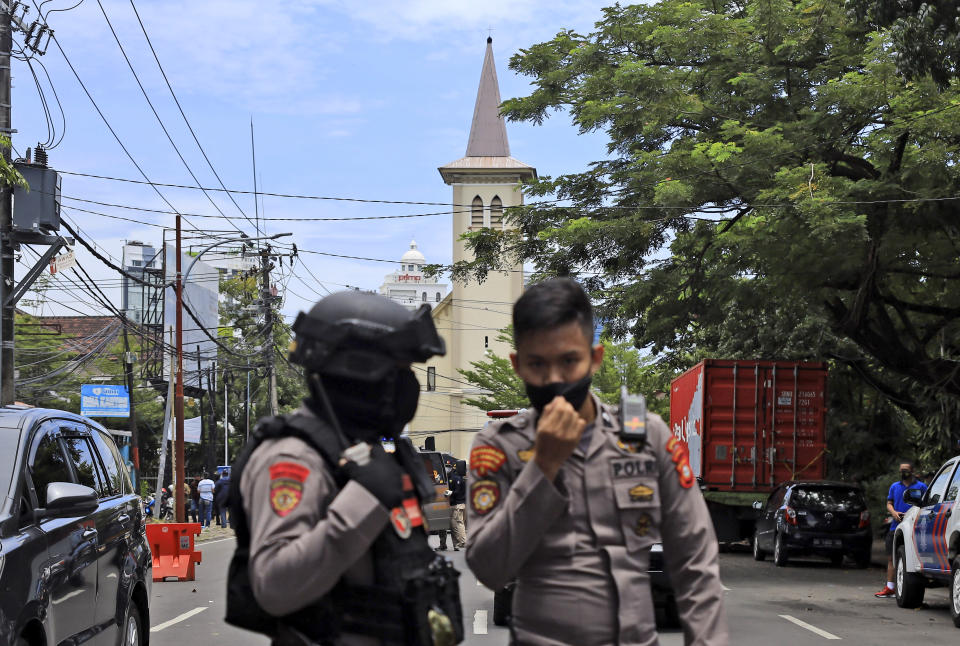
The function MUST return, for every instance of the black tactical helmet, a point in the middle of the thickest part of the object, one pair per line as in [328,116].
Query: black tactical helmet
[359,335]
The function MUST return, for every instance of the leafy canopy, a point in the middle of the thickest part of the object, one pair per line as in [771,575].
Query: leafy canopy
[773,188]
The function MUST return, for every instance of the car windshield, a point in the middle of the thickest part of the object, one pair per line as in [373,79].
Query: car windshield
[8,455]
[827,498]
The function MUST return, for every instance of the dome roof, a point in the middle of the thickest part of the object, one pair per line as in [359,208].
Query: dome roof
[413,255]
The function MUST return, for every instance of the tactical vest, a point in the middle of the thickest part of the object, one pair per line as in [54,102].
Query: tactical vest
[415,598]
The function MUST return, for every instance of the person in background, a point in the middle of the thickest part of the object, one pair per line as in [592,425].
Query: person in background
[896,506]
[205,489]
[194,501]
[221,493]
[458,499]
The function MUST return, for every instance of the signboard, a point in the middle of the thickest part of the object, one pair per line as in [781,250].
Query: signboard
[63,262]
[102,400]
[191,430]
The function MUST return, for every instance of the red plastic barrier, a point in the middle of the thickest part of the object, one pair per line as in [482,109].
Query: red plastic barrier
[172,547]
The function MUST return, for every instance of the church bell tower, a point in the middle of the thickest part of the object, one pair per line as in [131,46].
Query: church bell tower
[485,182]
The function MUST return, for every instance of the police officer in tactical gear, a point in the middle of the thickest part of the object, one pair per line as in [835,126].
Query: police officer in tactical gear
[332,546]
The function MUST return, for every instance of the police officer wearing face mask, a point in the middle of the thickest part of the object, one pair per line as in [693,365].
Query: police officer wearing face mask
[331,543]
[561,502]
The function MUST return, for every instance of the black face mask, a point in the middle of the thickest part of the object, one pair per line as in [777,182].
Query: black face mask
[574,392]
[906,475]
[367,411]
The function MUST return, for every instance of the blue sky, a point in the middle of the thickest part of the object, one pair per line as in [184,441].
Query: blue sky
[359,100]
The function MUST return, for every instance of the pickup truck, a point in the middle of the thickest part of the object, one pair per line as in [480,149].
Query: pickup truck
[927,541]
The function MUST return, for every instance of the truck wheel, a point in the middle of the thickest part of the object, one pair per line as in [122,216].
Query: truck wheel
[758,554]
[779,551]
[909,585]
[955,593]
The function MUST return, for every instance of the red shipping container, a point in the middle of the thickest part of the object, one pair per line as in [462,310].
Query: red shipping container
[750,425]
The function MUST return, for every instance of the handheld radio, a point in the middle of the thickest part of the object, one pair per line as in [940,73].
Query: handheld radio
[633,416]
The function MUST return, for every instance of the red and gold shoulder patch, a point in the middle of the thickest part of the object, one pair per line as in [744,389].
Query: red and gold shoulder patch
[486,459]
[484,496]
[681,457]
[286,486]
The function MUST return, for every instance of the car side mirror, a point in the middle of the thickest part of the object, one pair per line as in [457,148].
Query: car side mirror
[68,499]
[757,505]
[913,497]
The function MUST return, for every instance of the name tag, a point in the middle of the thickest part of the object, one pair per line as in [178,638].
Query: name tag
[632,467]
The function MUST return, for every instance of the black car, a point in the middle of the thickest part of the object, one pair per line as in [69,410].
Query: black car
[75,565]
[814,518]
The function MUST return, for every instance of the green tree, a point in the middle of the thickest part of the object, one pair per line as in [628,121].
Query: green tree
[773,188]
[496,377]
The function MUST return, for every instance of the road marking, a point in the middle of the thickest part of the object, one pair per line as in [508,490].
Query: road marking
[813,629]
[178,619]
[480,622]
[219,540]
[725,588]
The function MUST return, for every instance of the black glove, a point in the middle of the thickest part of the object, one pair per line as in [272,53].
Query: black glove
[381,476]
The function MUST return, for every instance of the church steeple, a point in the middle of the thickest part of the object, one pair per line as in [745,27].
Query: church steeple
[488,132]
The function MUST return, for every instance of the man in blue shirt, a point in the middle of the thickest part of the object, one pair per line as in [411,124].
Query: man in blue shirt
[896,506]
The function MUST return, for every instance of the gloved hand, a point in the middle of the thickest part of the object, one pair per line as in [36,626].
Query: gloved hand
[381,476]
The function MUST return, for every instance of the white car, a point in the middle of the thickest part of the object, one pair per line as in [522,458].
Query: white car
[927,541]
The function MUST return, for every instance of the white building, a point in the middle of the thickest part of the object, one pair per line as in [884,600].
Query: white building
[409,286]
[141,304]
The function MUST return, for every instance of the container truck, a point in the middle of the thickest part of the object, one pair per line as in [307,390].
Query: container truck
[749,425]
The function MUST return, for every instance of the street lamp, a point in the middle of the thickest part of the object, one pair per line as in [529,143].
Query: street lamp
[178,393]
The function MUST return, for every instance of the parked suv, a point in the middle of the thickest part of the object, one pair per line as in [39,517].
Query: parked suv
[814,518]
[927,541]
[75,565]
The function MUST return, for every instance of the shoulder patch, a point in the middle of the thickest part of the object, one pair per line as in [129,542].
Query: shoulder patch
[525,456]
[484,496]
[486,459]
[286,486]
[681,457]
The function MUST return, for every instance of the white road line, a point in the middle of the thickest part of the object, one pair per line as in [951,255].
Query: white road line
[813,629]
[177,619]
[219,540]
[480,622]
[726,589]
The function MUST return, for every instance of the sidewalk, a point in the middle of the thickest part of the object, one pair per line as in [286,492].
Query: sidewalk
[215,533]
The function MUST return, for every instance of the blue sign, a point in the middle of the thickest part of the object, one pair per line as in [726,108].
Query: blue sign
[101,400]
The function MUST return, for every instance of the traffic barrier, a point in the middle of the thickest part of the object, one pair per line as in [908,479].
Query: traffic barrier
[171,545]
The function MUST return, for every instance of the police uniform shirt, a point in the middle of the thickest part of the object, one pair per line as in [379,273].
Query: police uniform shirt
[305,533]
[579,547]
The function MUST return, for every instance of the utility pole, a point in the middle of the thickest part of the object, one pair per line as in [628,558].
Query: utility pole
[178,396]
[246,406]
[226,421]
[132,420]
[7,376]
[266,301]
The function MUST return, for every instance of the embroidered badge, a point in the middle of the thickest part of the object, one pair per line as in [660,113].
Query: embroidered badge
[632,467]
[484,496]
[486,459]
[681,457]
[286,486]
[525,455]
[401,522]
[642,528]
[641,493]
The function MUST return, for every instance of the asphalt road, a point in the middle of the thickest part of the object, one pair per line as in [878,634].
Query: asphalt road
[809,602]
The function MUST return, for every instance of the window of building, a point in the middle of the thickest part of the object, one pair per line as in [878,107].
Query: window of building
[424,297]
[431,378]
[476,213]
[438,297]
[496,213]
[136,263]
[486,342]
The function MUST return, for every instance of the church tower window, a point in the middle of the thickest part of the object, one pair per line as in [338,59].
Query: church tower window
[438,297]
[476,213]
[496,213]
[424,297]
